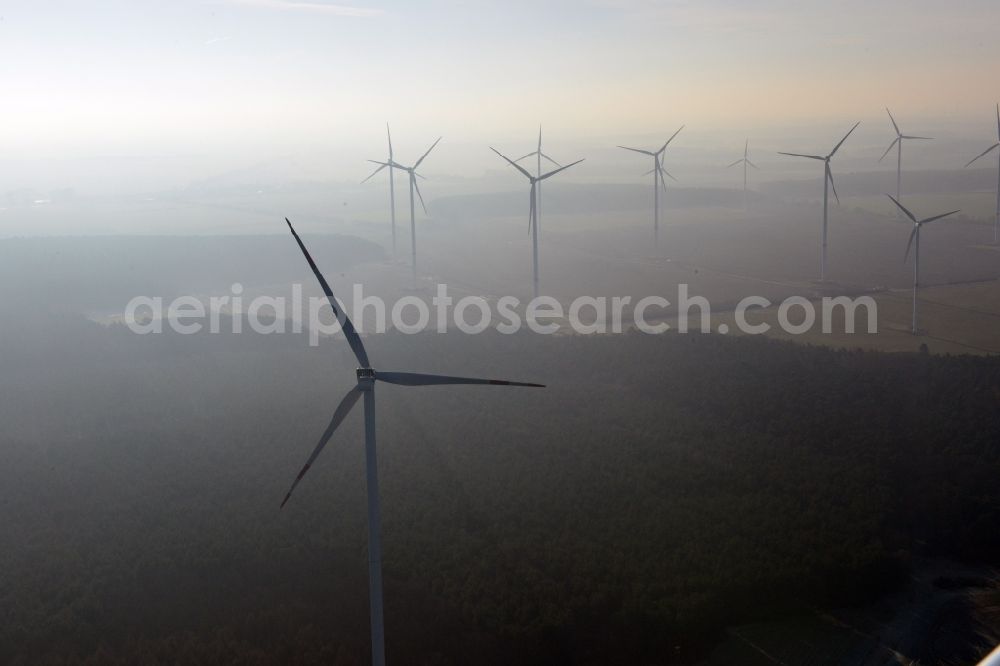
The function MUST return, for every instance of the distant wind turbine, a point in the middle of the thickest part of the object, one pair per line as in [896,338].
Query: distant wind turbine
[996,216]
[392,186]
[745,161]
[412,172]
[914,242]
[533,209]
[658,171]
[367,376]
[898,143]
[538,154]
[827,184]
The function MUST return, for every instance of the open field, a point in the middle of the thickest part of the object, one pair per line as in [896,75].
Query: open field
[953,319]
[726,254]
[477,244]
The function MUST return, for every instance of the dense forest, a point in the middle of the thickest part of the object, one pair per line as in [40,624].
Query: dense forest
[660,489]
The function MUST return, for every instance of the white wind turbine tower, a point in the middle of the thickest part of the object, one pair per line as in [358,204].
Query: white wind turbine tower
[412,173]
[538,172]
[827,184]
[533,209]
[367,376]
[745,161]
[914,242]
[658,171]
[392,186]
[898,143]
[996,216]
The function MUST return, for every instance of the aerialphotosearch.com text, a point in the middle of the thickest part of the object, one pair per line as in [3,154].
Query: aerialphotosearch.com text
[545,315]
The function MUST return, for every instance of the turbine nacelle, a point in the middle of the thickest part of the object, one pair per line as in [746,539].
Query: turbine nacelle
[411,170]
[899,136]
[534,180]
[662,149]
[826,159]
[366,375]
[658,178]
[827,178]
[917,224]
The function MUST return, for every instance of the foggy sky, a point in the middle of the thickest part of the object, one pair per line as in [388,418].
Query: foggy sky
[189,88]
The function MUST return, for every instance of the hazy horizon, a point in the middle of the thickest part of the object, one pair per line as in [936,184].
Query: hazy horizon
[118,98]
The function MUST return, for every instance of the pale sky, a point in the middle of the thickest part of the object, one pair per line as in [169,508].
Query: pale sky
[248,79]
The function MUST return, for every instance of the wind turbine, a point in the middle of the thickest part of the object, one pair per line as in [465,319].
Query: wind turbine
[745,161]
[996,217]
[898,142]
[657,172]
[827,184]
[392,186]
[412,172]
[533,209]
[915,239]
[538,172]
[367,376]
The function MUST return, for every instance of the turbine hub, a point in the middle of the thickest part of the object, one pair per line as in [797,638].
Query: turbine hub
[366,377]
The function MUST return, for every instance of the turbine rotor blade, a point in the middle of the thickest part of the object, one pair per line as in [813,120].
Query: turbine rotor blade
[938,217]
[420,379]
[373,173]
[925,138]
[524,157]
[902,208]
[829,174]
[555,171]
[638,150]
[343,409]
[737,162]
[391,163]
[513,164]
[389,136]
[550,159]
[982,154]
[670,139]
[841,142]
[909,244]
[891,145]
[664,171]
[752,164]
[413,177]
[422,157]
[531,206]
[353,339]
[812,157]
[894,125]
